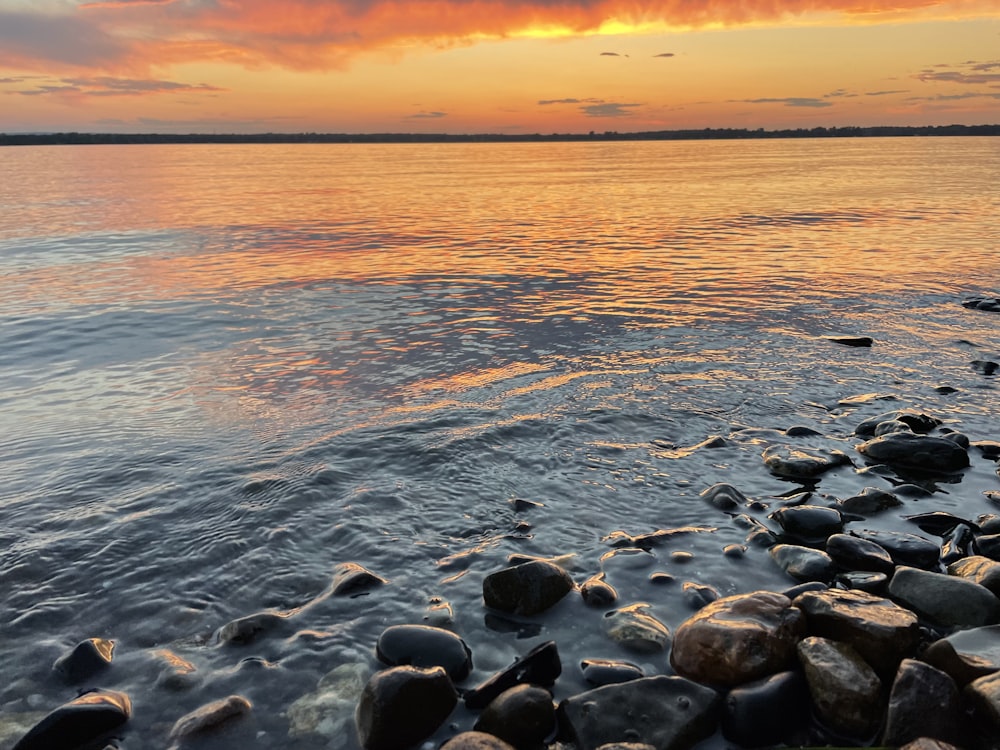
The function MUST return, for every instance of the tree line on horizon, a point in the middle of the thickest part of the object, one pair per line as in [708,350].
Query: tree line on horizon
[75,138]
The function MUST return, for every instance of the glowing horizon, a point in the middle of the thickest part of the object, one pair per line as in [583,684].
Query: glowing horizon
[489,66]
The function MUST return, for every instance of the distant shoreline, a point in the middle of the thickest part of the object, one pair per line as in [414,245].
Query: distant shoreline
[79,139]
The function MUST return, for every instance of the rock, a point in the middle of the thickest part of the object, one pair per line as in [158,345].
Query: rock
[869,501]
[424,646]
[846,691]
[669,713]
[735,551]
[809,524]
[724,496]
[329,711]
[984,694]
[985,366]
[658,538]
[854,553]
[176,673]
[966,655]
[636,630]
[989,448]
[598,593]
[210,716]
[475,741]
[523,716]
[871,583]
[765,712]
[738,639]
[880,631]
[978,569]
[526,589]
[990,304]
[402,706]
[697,595]
[895,425]
[957,545]
[540,666]
[926,743]
[924,702]
[904,549]
[351,579]
[600,672]
[988,545]
[793,463]
[919,453]
[248,629]
[916,421]
[87,659]
[759,535]
[84,719]
[862,341]
[957,437]
[940,523]
[944,600]
[804,563]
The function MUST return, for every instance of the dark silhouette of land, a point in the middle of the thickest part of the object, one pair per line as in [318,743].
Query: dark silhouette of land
[42,139]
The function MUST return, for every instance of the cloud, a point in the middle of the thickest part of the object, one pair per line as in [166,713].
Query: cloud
[108,86]
[608,109]
[839,93]
[790,101]
[545,102]
[887,92]
[136,37]
[426,116]
[969,72]
[664,54]
[954,97]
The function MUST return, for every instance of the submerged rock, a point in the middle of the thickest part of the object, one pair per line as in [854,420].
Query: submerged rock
[869,501]
[87,659]
[596,592]
[669,713]
[600,672]
[738,639]
[526,589]
[794,463]
[724,496]
[424,646]
[916,421]
[248,629]
[989,304]
[845,690]
[329,710]
[210,716]
[351,579]
[84,719]
[402,706]
[637,630]
[919,453]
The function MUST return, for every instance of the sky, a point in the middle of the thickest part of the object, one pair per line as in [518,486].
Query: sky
[494,66]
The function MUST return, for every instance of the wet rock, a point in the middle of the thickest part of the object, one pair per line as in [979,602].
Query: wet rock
[809,524]
[600,672]
[990,449]
[540,666]
[894,425]
[351,579]
[940,523]
[794,463]
[846,691]
[869,502]
[627,559]
[87,659]
[738,639]
[523,716]
[475,741]
[978,569]
[880,631]
[176,673]
[759,535]
[681,557]
[916,421]
[526,589]
[904,549]
[636,630]
[803,563]
[802,588]
[658,538]
[248,629]
[944,600]
[984,694]
[329,710]
[919,453]
[958,438]
[856,341]
[210,716]
[724,496]
[735,551]
[871,583]
[768,711]
[402,706]
[596,592]
[924,702]
[957,545]
[966,655]
[854,553]
[697,595]
[989,304]
[669,713]
[988,545]
[83,720]
[424,646]
[661,579]
[985,366]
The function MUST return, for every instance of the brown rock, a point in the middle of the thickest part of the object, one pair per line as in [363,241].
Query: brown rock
[924,702]
[846,691]
[978,569]
[737,639]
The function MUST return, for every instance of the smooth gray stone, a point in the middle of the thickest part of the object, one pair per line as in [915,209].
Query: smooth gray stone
[81,721]
[809,523]
[402,706]
[924,702]
[669,713]
[967,654]
[804,563]
[636,630]
[921,453]
[904,549]
[944,600]
[853,553]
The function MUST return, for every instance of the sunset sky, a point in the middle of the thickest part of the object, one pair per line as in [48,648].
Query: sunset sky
[499,66]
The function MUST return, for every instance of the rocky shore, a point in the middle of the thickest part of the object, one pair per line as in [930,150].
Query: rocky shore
[881,638]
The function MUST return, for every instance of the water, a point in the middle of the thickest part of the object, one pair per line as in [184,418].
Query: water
[227,369]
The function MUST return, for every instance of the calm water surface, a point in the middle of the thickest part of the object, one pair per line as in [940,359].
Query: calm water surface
[224,370]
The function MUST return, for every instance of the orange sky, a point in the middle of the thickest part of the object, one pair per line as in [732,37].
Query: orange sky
[521,66]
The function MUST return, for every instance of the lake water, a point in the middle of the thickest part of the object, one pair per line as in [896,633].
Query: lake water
[226,369]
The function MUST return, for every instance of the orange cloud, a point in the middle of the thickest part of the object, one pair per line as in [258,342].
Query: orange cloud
[136,36]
